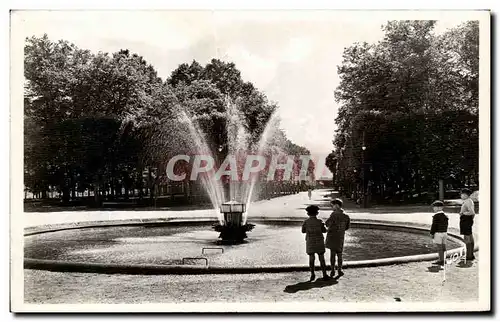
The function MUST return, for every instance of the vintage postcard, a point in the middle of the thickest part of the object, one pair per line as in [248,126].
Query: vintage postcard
[250,161]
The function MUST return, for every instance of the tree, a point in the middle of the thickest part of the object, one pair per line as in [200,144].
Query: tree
[410,99]
[97,121]
[185,74]
[226,78]
[68,91]
[50,70]
[331,163]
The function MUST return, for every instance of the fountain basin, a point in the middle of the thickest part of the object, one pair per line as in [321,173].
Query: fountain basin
[191,248]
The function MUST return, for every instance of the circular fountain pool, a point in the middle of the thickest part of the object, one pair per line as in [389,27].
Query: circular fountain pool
[270,243]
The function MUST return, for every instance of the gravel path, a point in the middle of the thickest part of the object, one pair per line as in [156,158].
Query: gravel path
[413,282]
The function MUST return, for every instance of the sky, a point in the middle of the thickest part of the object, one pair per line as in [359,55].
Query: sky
[292,56]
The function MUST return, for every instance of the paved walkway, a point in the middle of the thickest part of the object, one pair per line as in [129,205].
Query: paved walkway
[290,206]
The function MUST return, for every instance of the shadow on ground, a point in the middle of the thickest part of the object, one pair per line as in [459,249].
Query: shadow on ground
[467,264]
[434,269]
[304,286]
[462,264]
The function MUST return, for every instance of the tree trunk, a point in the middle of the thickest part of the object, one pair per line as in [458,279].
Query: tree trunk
[151,185]
[97,195]
[441,189]
[66,191]
[126,191]
[418,186]
[140,184]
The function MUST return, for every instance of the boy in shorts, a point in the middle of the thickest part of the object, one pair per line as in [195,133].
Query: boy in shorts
[467,214]
[439,230]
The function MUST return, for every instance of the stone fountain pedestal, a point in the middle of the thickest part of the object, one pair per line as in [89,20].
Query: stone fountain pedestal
[232,230]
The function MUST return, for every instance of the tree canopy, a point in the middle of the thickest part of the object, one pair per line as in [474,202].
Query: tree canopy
[98,121]
[411,100]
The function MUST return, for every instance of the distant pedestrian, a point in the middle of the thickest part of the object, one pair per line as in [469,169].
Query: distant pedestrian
[337,224]
[314,229]
[467,214]
[309,193]
[439,230]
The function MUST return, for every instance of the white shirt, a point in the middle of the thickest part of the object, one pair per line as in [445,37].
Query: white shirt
[467,208]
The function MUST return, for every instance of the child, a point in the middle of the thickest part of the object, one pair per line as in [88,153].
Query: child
[309,193]
[439,230]
[337,224]
[315,244]
[467,214]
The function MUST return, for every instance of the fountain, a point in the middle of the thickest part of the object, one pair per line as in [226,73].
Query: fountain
[238,145]
[160,247]
[154,246]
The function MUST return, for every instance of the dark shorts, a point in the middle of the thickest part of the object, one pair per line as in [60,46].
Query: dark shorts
[466,223]
[323,253]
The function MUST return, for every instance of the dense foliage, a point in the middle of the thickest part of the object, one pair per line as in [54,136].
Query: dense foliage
[109,124]
[412,101]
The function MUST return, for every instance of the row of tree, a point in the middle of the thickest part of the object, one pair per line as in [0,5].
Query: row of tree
[109,124]
[408,112]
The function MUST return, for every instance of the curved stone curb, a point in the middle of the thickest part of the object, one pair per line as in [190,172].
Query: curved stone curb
[151,269]
[35,230]
[144,269]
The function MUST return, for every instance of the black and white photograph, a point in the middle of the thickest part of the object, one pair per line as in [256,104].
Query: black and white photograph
[250,161]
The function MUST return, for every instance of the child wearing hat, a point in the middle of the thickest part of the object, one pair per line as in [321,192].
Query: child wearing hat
[337,224]
[467,214]
[439,229]
[314,229]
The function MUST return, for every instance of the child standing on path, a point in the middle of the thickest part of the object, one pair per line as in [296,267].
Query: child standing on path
[337,224]
[315,244]
[439,230]
[467,214]
[309,193]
